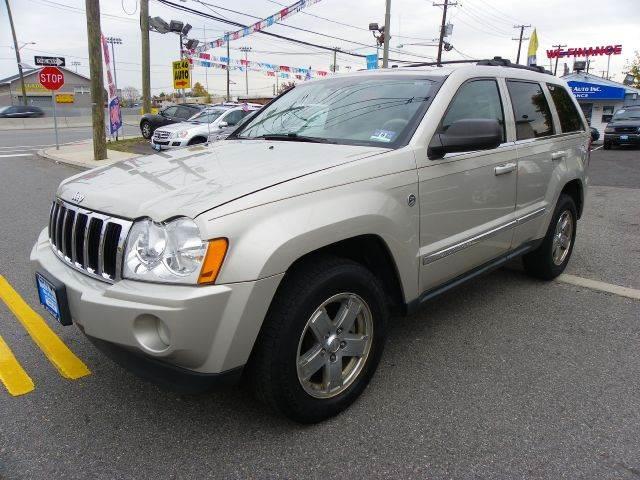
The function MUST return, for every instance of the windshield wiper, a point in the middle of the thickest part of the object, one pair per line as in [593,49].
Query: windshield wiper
[291,137]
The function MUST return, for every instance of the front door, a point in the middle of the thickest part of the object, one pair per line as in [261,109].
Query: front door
[467,200]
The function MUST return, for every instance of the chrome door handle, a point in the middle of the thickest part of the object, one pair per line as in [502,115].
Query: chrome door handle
[558,155]
[506,168]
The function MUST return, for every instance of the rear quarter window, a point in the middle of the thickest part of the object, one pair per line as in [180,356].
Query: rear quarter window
[570,120]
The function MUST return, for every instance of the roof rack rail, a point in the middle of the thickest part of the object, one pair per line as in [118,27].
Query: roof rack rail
[494,62]
[503,62]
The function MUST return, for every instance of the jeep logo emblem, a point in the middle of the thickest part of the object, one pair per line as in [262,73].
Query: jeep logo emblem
[78,197]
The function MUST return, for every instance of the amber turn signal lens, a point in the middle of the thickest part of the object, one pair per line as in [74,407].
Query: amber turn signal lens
[213,260]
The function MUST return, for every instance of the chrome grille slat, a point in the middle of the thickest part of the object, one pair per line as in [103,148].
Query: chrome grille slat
[71,239]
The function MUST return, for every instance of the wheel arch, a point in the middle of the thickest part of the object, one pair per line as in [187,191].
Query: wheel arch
[575,190]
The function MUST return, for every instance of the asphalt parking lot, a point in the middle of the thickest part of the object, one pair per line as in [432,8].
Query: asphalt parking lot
[505,377]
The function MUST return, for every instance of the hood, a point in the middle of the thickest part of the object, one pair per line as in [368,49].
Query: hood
[192,180]
[624,123]
[175,127]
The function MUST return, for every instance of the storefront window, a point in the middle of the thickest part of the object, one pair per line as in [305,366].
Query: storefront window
[607,113]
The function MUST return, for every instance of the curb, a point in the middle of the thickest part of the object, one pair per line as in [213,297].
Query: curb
[84,164]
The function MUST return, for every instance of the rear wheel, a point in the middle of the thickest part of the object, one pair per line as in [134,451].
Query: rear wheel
[145,128]
[552,256]
[321,341]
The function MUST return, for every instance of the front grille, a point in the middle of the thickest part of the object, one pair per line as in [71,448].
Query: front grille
[88,241]
[161,134]
[626,129]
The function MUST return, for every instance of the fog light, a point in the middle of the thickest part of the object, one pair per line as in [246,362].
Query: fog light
[152,333]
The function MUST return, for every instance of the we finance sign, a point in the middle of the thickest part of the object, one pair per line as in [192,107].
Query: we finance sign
[585,51]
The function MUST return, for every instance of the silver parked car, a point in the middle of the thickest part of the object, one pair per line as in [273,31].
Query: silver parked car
[278,255]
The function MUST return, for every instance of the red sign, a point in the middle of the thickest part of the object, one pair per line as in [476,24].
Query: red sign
[585,52]
[51,78]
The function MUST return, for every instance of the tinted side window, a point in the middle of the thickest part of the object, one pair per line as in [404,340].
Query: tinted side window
[186,112]
[170,111]
[232,118]
[530,107]
[570,120]
[475,99]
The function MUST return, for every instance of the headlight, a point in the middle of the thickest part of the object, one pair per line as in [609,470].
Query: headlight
[609,130]
[172,252]
[180,134]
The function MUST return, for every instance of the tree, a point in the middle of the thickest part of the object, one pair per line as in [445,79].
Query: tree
[130,95]
[633,68]
[286,86]
[198,90]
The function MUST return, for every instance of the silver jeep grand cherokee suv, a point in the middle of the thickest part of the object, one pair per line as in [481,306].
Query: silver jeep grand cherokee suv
[278,255]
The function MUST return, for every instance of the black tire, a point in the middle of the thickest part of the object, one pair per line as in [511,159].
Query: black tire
[606,145]
[146,129]
[196,141]
[540,262]
[272,370]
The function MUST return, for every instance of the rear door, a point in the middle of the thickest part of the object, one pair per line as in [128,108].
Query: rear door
[539,155]
[467,200]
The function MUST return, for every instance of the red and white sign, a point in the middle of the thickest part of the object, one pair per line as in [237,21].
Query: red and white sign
[51,78]
[586,51]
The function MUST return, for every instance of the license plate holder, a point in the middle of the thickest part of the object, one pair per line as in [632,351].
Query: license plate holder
[53,297]
[624,137]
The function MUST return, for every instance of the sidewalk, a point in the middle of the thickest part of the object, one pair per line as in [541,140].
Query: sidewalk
[63,122]
[80,154]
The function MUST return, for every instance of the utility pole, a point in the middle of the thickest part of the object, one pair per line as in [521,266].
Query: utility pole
[228,62]
[387,34]
[97,85]
[559,48]
[443,27]
[334,65]
[246,51]
[75,63]
[15,46]
[520,39]
[146,64]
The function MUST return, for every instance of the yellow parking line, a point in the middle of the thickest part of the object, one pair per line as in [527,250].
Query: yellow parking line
[55,350]
[11,372]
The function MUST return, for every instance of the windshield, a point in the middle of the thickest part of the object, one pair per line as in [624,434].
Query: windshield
[381,111]
[207,116]
[627,115]
[4,109]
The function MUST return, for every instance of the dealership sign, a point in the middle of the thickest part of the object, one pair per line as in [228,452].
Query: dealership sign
[585,51]
[593,91]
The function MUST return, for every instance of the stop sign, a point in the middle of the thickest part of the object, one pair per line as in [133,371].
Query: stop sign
[51,78]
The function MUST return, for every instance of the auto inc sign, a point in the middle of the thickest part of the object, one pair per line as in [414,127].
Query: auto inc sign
[591,91]
[585,51]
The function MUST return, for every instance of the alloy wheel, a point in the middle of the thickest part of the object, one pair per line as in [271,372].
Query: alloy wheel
[562,238]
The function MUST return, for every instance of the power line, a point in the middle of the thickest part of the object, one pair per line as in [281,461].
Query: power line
[263,32]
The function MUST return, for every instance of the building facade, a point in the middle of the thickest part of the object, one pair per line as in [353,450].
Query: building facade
[600,98]
[73,98]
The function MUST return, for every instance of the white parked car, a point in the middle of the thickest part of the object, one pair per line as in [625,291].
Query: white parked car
[201,127]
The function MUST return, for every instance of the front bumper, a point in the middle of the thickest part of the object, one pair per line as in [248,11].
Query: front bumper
[622,138]
[205,329]
[168,143]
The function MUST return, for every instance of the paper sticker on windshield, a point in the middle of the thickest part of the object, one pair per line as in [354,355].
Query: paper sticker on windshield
[383,136]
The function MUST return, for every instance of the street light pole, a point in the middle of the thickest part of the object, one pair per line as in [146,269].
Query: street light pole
[387,34]
[15,45]
[246,50]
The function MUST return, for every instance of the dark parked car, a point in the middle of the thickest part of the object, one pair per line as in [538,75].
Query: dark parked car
[624,128]
[21,111]
[173,114]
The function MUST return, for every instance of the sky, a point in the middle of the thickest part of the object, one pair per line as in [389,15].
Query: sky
[482,29]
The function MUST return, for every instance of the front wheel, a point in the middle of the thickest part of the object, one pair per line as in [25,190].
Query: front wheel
[552,256]
[322,340]
[146,130]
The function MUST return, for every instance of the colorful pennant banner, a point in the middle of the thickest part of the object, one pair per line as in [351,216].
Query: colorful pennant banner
[211,61]
[256,27]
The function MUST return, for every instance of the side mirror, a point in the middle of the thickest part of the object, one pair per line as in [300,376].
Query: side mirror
[466,135]
[223,124]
